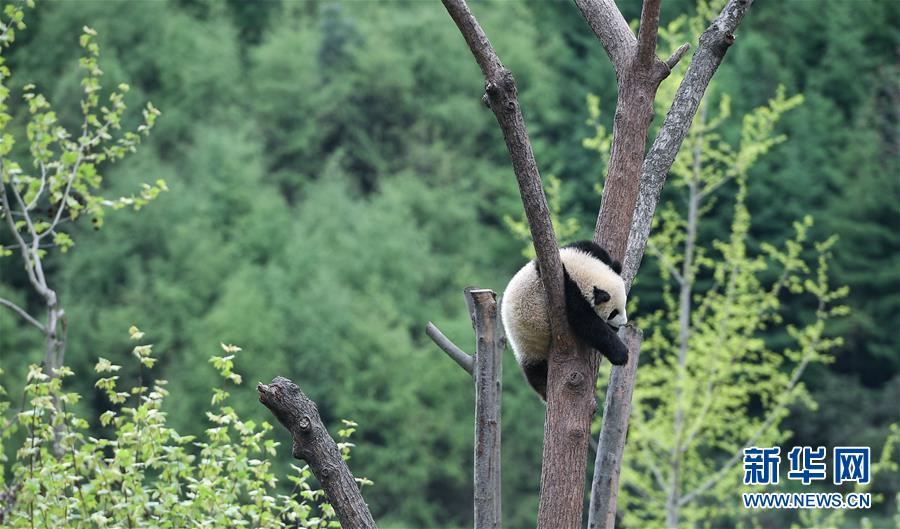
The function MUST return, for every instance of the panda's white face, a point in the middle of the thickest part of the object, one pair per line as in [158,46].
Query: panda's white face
[610,306]
[601,286]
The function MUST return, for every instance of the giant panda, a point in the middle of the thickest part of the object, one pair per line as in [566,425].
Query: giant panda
[595,308]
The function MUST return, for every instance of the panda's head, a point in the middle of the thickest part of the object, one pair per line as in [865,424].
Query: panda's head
[599,278]
[609,302]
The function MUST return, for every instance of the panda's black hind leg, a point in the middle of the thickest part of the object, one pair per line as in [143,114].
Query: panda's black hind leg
[589,327]
[536,374]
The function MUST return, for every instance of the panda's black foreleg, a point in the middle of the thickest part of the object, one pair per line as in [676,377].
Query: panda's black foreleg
[536,375]
[589,327]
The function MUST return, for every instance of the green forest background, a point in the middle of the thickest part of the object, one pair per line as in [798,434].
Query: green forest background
[335,182]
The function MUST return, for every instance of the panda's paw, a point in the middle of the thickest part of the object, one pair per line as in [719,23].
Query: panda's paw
[618,356]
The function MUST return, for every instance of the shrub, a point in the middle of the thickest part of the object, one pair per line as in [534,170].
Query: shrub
[140,472]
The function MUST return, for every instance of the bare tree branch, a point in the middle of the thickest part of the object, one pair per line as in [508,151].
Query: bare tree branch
[646,39]
[312,443]
[488,386]
[714,42]
[6,208]
[572,368]
[502,97]
[676,56]
[21,312]
[610,27]
[616,411]
[63,201]
[463,359]
[470,304]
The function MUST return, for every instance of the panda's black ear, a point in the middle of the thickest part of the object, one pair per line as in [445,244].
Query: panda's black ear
[600,296]
[617,267]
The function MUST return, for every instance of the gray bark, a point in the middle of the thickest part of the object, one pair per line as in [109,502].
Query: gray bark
[486,369]
[616,411]
[462,359]
[313,444]
[609,25]
[488,387]
[714,42]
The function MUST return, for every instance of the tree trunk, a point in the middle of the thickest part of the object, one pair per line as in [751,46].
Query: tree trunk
[490,344]
[313,444]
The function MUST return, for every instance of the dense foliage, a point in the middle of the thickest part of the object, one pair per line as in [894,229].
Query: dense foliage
[140,472]
[335,183]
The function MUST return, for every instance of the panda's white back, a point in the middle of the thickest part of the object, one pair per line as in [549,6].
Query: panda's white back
[523,311]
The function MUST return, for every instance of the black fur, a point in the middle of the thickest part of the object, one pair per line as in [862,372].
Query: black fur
[586,324]
[598,252]
[536,374]
[590,327]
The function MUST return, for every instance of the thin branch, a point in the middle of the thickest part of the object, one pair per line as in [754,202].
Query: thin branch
[501,96]
[676,56]
[6,208]
[709,189]
[610,27]
[21,203]
[616,411]
[40,191]
[663,260]
[646,39]
[313,444]
[41,284]
[463,359]
[62,202]
[21,312]
[657,474]
[714,43]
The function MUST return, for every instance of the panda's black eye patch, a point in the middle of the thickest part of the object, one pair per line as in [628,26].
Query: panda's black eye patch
[600,296]
[613,314]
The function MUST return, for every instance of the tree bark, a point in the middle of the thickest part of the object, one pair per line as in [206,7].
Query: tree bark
[714,42]
[627,207]
[639,73]
[462,359]
[486,370]
[616,411]
[313,444]
[572,369]
[488,391]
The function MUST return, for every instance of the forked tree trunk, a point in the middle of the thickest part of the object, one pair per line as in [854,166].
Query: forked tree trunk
[628,204]
[623,224]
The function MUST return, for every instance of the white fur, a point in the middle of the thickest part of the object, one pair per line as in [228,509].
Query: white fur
[524,305]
